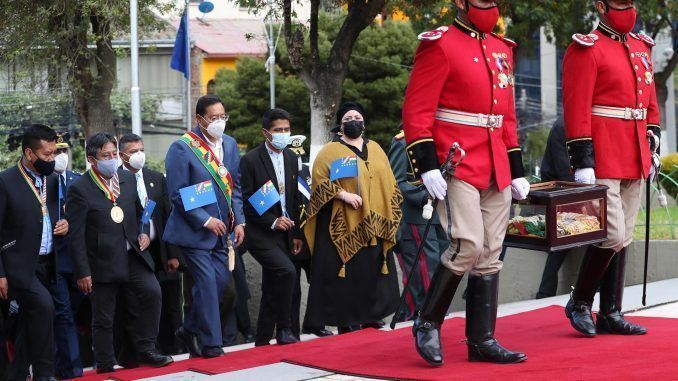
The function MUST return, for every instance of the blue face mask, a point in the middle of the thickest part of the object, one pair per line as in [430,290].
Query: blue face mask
[107,168]
[280,140]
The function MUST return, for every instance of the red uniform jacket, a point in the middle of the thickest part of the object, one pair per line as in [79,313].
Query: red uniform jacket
[609,69]
[462,69]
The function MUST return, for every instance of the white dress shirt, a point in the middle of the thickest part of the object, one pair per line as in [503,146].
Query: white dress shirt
[278,160]
[143,196]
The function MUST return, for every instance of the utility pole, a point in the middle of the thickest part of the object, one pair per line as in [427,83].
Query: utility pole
[134,47]
[272,41]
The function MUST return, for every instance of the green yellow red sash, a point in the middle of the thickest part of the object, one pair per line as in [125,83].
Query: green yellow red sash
[210,161]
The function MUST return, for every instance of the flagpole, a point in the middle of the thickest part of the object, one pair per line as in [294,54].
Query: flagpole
[189,113]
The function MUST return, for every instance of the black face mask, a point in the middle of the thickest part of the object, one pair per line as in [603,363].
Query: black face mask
[354,128]
[43,167]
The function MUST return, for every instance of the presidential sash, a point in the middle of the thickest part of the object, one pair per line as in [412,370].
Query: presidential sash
[210,161]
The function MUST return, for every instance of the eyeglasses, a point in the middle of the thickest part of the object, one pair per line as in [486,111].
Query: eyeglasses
[216,118]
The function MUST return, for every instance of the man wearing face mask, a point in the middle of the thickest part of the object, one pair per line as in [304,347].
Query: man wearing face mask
[273,237]
[462,90]
[29,222]
[110,257]
[65,292]
[204,233]
[610,110]
[152,185]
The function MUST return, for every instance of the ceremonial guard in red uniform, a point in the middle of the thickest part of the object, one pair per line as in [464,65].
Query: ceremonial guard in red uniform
[462,90]
[610,107]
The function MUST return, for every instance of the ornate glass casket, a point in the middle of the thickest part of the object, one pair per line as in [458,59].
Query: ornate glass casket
[558,215]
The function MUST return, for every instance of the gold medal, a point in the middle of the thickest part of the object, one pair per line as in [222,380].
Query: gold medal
[117,215]
[222,171]
[648,77]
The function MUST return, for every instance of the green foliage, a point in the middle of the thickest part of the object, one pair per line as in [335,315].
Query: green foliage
[668,177]
[535,146]
[377,76]
[7,157]
[121,106]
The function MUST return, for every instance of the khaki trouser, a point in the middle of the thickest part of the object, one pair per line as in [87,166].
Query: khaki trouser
[623,202]
[475,220]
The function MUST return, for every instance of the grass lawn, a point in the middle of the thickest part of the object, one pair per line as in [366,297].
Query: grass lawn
[663,224]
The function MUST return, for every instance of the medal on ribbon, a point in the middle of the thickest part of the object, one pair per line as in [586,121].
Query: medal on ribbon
[117,214]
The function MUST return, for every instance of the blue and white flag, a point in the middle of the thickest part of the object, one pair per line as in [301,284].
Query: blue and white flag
[263,199]
[198,195]
[303,187]
[344,167]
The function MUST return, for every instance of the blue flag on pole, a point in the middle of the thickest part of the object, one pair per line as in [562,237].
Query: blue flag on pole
[263,199]
[181,54]
[344,167]
[198,195]
[148,212]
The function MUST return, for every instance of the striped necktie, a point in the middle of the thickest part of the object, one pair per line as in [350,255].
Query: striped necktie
[115,186]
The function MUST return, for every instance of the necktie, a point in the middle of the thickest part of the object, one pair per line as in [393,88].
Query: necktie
[115,186]
[141,189]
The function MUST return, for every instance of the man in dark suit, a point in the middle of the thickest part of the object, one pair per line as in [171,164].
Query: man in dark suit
[29,220]
[203,233]
[65,293]
[274,236]
[108,246]
[151,185]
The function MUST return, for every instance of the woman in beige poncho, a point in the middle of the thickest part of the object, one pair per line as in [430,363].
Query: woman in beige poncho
[351,230]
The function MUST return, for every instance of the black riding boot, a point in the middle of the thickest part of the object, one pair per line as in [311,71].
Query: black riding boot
[481,316]
[610,318]
[426,329]
[578,308]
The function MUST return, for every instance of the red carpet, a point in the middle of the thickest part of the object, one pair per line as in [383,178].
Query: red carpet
[554,349]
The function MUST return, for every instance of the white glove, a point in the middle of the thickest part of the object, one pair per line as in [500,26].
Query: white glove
[435,184]
[585,176]
[520,187]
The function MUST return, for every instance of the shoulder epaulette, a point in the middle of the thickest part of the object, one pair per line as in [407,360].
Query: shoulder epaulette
[400,135]
[433,35]
[587,40]
[507,41]
[643,37]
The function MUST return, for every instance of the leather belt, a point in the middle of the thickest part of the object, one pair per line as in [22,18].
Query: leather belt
[626,113]
[469,119]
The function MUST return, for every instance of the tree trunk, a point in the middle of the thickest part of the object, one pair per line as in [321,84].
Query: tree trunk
[93,80]
[326,94]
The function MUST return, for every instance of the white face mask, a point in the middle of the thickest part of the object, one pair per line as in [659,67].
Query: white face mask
[216,128]
[61,162]
[137,160]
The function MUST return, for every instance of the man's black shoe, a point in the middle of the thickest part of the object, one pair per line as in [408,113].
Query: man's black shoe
[188,340]
[318,331]
[210,352]
[580,317]
[154,359]
[285,336]
[105,368]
